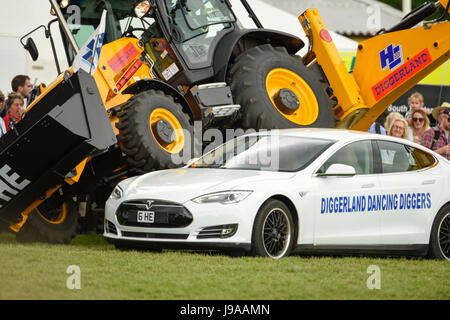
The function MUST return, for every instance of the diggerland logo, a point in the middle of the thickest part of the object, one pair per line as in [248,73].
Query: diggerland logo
[401,74]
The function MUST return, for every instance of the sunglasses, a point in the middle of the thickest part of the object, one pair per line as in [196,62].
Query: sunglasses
[418,119]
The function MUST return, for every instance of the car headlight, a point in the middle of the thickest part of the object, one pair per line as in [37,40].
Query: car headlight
[117,193]
[224,197]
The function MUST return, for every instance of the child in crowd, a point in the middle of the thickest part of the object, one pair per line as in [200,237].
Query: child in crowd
[416,102]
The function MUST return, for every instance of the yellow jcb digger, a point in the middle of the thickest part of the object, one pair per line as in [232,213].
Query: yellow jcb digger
[165,64]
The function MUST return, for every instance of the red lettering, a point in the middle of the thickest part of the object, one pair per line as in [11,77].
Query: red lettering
[402,74]
[119,61]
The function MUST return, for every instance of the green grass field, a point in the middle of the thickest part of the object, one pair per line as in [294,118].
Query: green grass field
[38,271]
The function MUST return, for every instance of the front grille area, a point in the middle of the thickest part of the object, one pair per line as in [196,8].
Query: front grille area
[166,214]
[147,235]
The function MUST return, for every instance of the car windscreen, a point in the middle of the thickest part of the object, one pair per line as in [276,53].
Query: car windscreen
[265,152]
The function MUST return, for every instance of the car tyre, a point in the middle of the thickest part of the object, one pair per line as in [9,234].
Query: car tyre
[258,77]
[273,230]
[440,235]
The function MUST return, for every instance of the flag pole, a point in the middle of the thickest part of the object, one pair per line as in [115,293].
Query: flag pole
[94,53]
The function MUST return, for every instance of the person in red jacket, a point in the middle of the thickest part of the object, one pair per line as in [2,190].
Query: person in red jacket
[14,109]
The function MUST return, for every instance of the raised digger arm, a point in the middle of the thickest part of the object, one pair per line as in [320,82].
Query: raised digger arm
[386,66]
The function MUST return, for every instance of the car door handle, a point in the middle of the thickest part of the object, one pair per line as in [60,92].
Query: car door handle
[428,181]
[368,185]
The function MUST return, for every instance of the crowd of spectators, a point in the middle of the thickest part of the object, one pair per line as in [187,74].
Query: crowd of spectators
[415,125]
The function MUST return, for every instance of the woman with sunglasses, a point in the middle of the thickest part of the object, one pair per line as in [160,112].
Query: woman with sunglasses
[419,124]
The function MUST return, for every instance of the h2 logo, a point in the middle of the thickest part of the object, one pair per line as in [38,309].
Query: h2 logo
[391,57]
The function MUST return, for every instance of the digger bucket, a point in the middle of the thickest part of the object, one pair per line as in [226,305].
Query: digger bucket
[60,130]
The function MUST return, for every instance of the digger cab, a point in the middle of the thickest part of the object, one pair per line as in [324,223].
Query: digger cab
[179,36]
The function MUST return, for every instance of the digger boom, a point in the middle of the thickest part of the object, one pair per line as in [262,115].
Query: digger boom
[376,81]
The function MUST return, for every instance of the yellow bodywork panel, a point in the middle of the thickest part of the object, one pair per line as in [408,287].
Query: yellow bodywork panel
[116,59]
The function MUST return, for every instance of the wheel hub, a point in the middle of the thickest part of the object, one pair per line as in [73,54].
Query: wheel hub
[165,131]
[276,235]
[292,96]
[287,100]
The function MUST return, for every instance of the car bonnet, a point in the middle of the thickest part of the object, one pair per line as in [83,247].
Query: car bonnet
[181,185]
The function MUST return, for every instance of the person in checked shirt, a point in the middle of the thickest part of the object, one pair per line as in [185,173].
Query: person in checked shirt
[437,138]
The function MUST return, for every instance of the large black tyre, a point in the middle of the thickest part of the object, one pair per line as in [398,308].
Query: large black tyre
[54,221]
[273,230]
[440,235]
[275,90]
[154,132]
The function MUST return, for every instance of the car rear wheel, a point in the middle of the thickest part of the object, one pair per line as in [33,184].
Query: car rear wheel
[273,231]
[440,235]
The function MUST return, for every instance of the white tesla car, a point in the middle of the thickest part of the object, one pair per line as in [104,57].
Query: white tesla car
[299,190]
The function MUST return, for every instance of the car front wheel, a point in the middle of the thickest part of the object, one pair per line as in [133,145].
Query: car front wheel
[273,231]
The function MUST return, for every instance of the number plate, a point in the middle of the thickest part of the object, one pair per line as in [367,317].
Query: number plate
[146,216]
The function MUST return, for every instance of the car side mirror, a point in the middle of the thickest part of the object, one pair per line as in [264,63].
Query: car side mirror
[338,170]
[30,46]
